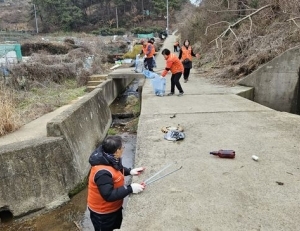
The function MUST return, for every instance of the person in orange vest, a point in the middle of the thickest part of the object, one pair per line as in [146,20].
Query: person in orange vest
[148,50]
[106,188]
[174,65]
[176,46]
[185,55]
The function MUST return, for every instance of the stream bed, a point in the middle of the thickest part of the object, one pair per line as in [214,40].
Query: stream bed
[74,215]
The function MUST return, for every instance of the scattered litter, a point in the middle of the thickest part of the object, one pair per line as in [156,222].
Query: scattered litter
[224,153]
[279,183]
[289,173]
[173,116]
[174,135]
[254,157]
[172,128]
[115,66]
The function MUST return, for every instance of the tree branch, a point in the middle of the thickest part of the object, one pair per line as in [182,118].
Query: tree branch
[214,25]
[221,11]
[237,22]
[250,25]
[293,20]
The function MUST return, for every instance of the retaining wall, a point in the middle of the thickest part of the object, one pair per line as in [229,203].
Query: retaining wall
[276,84]
[39,173]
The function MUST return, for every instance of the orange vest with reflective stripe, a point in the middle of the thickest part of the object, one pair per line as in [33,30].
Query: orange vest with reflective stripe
[186,53]
[95,201]
[152,52]
[174,64]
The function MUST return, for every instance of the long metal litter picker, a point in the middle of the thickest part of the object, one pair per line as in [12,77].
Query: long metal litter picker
[150,180]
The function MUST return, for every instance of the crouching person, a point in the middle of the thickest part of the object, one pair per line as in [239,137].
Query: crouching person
[106,189]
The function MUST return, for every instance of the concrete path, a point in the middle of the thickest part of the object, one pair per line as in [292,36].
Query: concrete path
[210,193]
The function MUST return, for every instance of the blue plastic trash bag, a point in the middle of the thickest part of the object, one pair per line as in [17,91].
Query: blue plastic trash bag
[139,64]
[149,74]
[159,85]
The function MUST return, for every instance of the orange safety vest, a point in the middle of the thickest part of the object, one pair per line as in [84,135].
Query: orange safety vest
[186,53]
[152,52]
[95,201]
[174,64]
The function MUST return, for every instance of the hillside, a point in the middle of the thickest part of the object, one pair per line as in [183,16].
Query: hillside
[84,16]
[236,37]
[14,16]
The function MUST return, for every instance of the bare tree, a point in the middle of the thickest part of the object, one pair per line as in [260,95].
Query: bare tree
[231,26]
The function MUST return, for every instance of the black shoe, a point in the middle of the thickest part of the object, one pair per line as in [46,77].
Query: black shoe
[170,94]
[180,94]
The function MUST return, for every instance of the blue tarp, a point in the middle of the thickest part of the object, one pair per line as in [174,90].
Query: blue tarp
[151,35]
[5,48]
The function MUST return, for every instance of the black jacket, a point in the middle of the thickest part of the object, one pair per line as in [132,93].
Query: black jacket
[103,178]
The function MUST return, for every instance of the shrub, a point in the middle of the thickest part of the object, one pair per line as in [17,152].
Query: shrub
[110,31]
[147,30]
[132,54]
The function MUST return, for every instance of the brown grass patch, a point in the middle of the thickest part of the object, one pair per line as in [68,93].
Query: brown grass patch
[9,117]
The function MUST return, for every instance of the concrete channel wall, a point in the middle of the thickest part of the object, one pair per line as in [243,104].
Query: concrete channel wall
[276,84]
[39,173]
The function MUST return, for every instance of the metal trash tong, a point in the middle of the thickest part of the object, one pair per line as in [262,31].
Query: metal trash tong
[150,180]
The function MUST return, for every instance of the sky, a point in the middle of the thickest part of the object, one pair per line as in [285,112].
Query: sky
[195,2]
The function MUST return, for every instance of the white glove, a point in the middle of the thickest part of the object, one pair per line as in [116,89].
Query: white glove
[136,171]
[145,56]
[137,188]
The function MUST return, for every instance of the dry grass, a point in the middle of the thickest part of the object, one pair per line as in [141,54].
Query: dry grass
[248,44]
[55,74]
[44,98]
[9,117]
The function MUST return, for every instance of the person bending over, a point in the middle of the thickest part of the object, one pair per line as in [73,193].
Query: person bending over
[174,65]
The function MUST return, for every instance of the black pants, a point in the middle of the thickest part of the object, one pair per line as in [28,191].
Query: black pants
[175,82]
[175,49]
[107,222]
[186,73]
[149,63]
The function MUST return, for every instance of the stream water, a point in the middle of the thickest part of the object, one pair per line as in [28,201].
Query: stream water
[74,215]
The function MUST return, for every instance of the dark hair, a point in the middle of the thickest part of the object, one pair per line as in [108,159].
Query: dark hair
[166,52]
[111,144]
[186,41]
[152,40]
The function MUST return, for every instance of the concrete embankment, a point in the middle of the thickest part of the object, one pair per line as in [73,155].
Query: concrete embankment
[47,158]
[276,83]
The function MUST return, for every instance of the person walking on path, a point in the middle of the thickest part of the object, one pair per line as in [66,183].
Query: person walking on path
[148,50]
[185,55]
[106,189]
[174,65]
[176,46]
